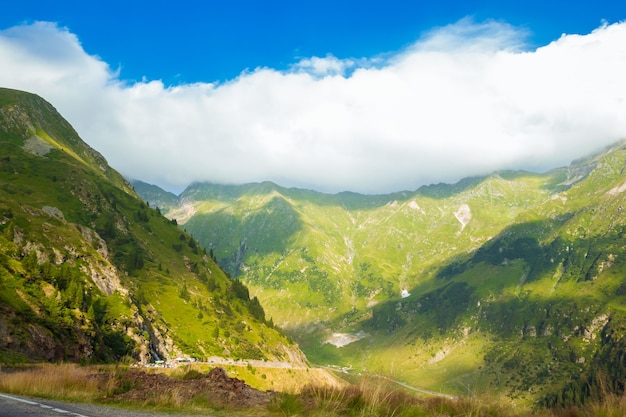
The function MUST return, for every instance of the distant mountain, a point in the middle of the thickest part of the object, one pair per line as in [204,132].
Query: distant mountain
[155,196]
[90,273]
[513,282]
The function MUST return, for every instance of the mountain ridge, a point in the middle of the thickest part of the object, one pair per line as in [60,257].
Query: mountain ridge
[478,259]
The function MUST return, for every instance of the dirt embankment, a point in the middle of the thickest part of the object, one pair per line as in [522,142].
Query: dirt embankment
[215,387]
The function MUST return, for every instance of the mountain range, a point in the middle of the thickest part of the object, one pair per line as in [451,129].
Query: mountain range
[510,283]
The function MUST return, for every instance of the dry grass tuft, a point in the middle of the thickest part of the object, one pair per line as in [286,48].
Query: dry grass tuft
[369,398]
[66,381]
[612,405]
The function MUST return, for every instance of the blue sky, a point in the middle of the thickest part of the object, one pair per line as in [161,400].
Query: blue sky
[365,96]
[191,41]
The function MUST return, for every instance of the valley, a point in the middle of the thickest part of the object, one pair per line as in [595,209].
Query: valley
[512,276]
[510,284]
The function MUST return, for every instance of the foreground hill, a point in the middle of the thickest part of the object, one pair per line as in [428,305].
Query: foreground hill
[89,272]
[512,282]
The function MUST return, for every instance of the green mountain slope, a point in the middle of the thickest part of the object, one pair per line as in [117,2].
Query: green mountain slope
[89,272]
[516,280]
[154,194]
[332,254]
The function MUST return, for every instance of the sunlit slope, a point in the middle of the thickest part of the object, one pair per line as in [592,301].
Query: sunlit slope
[515,278]
[90,273]
[332,254]
[536,312]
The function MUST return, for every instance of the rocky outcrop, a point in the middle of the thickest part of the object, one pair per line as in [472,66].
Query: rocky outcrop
[105,277]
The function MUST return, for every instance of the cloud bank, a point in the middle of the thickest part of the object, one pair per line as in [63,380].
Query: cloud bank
[465,99]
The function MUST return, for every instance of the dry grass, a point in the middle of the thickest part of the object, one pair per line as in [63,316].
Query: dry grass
[611,406]
[369,398]
[376,397]
[70,382]
[67,381]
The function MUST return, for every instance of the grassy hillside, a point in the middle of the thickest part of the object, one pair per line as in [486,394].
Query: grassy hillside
[515,279]
[89,272]
[336,254]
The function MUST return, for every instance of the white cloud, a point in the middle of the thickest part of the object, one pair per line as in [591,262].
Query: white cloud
[324,66]
[466,99]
